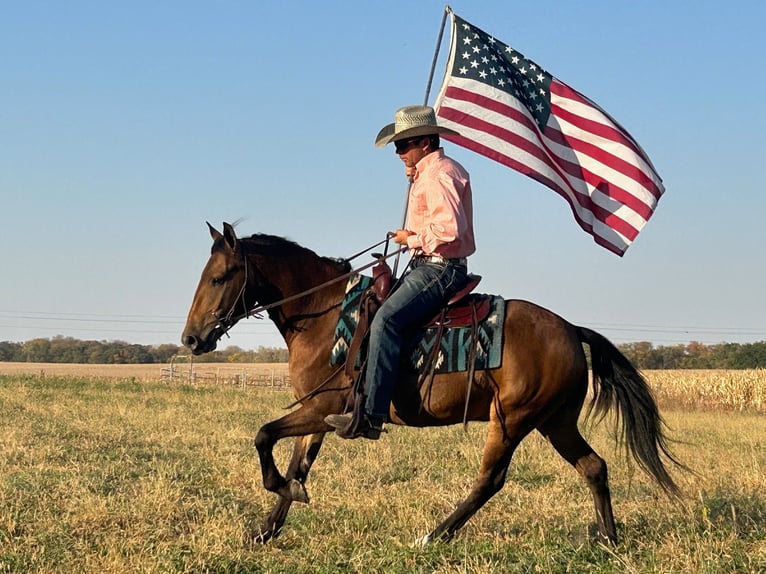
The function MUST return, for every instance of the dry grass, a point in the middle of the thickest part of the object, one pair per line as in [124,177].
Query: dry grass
[126,475]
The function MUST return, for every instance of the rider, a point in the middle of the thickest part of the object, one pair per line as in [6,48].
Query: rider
[439,234]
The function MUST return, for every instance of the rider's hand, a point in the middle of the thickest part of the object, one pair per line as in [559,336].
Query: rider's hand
[400,236]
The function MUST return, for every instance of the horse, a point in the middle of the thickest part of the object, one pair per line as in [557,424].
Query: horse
[540,385]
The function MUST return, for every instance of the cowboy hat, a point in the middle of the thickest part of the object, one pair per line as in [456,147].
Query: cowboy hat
[411,121]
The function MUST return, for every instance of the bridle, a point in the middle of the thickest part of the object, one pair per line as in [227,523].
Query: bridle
[225,323]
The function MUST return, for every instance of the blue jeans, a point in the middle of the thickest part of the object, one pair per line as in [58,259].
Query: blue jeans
[419,296]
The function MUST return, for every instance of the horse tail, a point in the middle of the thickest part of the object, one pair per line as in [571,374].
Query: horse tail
[618,384]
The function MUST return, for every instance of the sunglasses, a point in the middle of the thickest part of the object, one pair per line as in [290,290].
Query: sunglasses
[403,145]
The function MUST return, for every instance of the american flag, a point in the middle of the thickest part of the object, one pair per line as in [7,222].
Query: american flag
[511,110]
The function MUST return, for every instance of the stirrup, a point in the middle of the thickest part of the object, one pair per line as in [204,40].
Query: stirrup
[347,427]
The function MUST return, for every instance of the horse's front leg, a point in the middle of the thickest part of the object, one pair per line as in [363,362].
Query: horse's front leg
[304,453]
[304,421]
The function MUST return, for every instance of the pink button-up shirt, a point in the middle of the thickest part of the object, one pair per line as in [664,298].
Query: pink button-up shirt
[440,208]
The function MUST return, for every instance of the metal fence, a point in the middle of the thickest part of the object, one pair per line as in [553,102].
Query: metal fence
[182,369]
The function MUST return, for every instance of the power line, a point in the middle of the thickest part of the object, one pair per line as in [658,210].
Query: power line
[175,319]
[620,331]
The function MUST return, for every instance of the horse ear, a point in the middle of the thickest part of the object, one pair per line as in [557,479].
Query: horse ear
[214,233]
[230,236]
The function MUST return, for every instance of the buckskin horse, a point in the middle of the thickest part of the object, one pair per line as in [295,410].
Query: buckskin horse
[541,384]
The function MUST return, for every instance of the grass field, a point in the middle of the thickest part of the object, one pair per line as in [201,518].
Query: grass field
[119,473]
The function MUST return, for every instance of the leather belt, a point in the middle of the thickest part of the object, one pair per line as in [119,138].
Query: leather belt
[438,259]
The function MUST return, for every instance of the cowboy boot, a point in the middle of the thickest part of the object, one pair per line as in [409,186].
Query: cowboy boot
[347,427]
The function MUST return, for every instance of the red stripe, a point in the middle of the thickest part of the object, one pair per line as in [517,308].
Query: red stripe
[537,150]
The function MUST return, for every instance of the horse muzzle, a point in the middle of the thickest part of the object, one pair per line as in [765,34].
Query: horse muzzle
[200,345]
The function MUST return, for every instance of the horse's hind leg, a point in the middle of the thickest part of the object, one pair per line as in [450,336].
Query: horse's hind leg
[496,458]
[569,443]
[304,453]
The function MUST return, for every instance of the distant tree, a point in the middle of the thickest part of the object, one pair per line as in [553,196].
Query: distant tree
[638,353]
[643,354]
[698,356]
[163,353]
[10,351]
[36,351]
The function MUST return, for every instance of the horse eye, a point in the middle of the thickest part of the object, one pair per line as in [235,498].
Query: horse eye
[217,281]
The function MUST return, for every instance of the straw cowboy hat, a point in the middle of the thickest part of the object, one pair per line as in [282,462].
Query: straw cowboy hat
[409,122]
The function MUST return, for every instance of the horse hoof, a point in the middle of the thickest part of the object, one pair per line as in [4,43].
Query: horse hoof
[298,492]
[259,536]
[423,541]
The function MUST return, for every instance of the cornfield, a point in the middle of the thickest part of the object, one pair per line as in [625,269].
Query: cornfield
[719,390]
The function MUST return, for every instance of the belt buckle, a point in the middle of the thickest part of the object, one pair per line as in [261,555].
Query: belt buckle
[435,259]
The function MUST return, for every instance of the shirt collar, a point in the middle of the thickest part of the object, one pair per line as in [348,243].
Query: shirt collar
[428,160]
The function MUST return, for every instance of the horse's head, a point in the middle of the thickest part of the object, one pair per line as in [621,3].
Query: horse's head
[219,301]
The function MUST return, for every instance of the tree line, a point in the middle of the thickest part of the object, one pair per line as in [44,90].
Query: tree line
[697,355]
[70,350]
[643,354]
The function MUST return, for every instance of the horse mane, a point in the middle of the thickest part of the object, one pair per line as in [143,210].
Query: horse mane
[275,246]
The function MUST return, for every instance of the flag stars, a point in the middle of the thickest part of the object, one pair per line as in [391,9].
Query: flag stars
[484,59]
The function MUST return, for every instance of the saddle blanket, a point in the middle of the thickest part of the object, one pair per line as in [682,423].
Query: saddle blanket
[454,347]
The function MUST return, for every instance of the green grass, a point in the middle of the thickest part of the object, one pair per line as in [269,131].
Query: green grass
[127,476]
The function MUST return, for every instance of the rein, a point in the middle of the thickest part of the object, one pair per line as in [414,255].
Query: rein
[227,322]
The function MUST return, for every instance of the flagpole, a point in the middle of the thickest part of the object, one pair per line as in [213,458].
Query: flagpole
[447,10]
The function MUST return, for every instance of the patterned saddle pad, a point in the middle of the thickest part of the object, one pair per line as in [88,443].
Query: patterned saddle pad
[454,347]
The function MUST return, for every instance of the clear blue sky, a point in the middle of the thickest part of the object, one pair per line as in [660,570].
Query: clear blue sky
[125,126]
